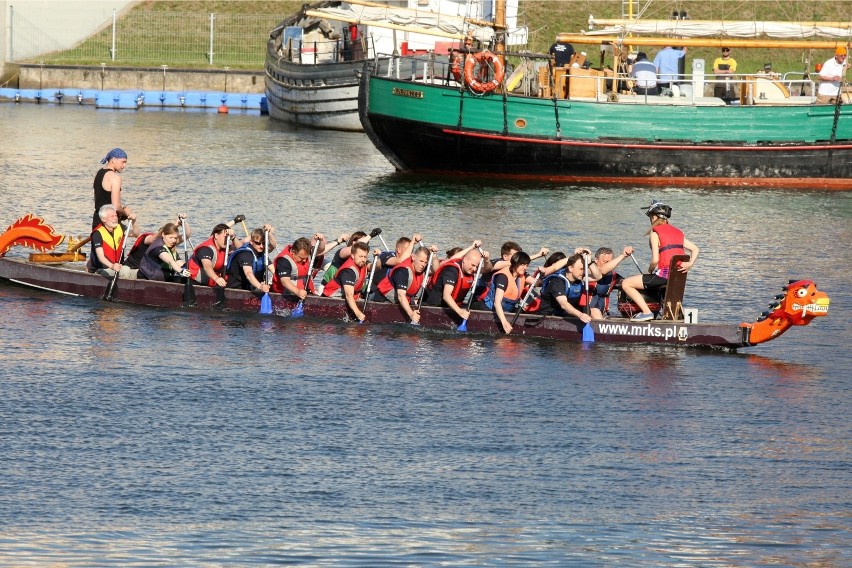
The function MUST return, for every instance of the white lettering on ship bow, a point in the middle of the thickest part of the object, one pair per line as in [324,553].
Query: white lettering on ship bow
[666,332]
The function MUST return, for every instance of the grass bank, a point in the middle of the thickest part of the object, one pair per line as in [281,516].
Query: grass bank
[162,26]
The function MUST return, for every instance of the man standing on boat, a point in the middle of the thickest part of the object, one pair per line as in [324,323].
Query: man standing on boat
[107,185]
[723,68]
[562,52]
[667,63]
[830,77]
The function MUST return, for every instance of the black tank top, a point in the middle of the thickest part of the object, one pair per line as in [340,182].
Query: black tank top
[102,196]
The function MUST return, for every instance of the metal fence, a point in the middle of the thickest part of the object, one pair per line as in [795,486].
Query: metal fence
[150,39]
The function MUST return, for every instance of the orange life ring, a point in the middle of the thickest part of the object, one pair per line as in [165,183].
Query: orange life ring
[483,58]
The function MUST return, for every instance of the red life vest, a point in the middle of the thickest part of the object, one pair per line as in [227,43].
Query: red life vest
[334,284]
[463,283]
[671,244]
[112,244]
[298,272]
[415,281]
[195,269]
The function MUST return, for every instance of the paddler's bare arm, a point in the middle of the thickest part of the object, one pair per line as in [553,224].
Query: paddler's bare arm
[349,294]
[450,301]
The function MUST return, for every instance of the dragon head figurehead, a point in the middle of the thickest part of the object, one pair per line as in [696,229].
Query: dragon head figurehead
[798,304]
[29,231]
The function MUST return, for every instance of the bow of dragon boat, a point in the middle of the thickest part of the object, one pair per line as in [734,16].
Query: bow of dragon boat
[64,273]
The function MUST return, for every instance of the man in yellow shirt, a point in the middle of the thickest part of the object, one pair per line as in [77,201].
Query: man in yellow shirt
[723,67]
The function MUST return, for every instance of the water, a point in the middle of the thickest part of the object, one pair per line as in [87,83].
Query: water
[142,437]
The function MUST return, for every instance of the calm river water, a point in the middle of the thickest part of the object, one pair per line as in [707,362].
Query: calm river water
[142,437]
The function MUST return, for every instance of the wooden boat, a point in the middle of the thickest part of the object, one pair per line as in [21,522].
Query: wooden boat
[566,124]
[313,56]
[799,305]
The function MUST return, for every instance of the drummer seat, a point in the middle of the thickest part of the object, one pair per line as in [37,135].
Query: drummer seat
[672,305]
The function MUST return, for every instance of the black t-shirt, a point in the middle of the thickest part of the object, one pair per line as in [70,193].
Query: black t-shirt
[501,281]
[554,288]
[562,52]
[236,274]
[284,268]
[448,275]
[399,280]
[385,269]
[348,276]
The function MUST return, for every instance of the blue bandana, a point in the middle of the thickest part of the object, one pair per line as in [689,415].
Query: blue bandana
[115,153]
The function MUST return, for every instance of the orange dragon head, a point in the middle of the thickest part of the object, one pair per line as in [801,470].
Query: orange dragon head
[30,231]
[799,304]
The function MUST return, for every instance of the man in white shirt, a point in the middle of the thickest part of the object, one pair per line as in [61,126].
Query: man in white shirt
[645,74]
[830,76]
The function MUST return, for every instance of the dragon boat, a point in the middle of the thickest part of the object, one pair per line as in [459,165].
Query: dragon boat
[65,273]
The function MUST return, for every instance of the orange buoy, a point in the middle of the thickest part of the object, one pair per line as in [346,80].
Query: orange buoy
[484,59]
[223,109]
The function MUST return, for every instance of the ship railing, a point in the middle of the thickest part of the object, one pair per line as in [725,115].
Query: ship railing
[762,88]
[422,68]
[313,52]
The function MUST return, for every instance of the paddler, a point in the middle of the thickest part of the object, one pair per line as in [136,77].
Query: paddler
[107,185]
[161,260]
[341,255]
[108,243]
[506,288]
[208,260]
[666,241]
[602,271]
[405,280]
[349,279]
[452,281]
[291,273]
[245,268]
[144,240]
[562,291]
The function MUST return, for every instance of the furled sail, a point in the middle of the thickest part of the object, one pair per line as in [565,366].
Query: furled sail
[425,22]
[709,28]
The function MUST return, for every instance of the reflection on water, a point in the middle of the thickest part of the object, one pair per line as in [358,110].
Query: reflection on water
[143,436]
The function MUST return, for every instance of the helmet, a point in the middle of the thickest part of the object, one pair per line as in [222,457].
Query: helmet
[658,209]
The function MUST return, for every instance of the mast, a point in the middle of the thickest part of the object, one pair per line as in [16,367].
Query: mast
[500,27]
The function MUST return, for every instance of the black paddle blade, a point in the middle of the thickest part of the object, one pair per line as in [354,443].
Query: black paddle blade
[220,297]
[188,293]
[375,233]
[110,289]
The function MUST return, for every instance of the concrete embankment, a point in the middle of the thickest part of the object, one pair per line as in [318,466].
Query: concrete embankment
[34,76]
